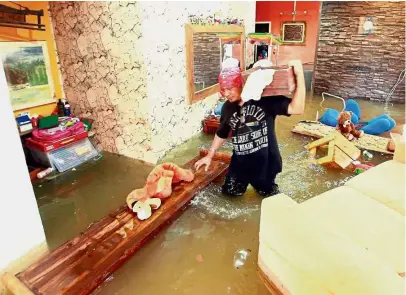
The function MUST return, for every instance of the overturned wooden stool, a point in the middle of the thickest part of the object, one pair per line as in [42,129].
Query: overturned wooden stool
[340,151]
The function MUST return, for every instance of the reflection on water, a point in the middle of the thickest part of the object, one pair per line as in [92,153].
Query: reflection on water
[195,254]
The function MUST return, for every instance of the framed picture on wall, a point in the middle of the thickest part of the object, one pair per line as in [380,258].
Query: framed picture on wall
[293,33]
[27,69]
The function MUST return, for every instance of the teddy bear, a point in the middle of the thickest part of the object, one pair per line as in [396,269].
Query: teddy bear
[346,127]
[157,186]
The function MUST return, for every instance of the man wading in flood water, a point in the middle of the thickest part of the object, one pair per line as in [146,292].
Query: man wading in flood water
[256,159]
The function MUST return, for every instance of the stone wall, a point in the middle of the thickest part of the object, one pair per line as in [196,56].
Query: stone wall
[174,120]
[123,65]
[99,46]
[349,64]
[207,59]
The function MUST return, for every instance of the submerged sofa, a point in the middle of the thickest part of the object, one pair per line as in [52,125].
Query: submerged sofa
[347,241]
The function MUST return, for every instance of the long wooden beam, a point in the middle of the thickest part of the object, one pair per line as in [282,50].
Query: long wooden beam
[83,263]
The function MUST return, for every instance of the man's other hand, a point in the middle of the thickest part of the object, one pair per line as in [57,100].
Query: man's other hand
[206,161]
[297,67]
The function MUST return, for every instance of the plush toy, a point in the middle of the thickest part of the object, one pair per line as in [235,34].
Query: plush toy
[158,186]
[346,127]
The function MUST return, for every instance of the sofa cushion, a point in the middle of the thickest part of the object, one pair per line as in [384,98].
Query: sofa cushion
[384,183]
[364,220]
[324,256]
[287,278]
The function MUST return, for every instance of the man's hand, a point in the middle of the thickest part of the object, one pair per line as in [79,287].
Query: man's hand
[297,67]
[206,161]
[296,107]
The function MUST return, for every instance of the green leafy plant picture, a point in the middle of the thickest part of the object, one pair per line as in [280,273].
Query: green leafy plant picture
[28,74]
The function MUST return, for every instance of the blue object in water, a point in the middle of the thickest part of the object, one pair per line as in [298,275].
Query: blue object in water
[352,106]
[330,117]
[383,116]
[218,108]
[379,125]
[375,126]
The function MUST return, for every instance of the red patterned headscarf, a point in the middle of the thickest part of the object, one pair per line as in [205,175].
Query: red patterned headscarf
[230,75]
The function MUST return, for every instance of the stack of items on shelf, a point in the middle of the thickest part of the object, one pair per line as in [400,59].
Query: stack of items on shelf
[60,141]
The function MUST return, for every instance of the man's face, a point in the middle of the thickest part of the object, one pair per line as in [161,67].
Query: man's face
[232,94]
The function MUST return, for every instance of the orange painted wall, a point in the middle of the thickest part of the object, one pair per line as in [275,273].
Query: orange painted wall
[269,11]
[12,34]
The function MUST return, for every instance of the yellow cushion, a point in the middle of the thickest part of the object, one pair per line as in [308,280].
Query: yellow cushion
[287,278]
[367,222]
[384,183]
[329,259]
[271,205]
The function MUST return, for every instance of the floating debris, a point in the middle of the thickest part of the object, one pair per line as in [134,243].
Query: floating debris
[240,257]
[110,278]
[199,258]
[367,156]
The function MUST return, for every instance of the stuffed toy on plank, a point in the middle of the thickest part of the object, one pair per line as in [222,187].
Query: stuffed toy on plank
[346,127]
[158,186]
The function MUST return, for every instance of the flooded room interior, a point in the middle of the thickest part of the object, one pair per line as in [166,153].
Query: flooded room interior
[233,147]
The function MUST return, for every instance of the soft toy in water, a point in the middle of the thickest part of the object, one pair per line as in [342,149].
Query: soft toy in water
[158,186]
[346,127]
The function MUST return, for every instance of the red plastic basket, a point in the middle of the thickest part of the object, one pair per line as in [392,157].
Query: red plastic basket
[211,124]
[50,146]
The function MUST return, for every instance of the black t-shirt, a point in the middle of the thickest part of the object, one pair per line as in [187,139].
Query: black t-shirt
[256,154]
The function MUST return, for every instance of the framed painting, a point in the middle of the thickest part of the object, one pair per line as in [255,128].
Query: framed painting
[28,74]
[293,33]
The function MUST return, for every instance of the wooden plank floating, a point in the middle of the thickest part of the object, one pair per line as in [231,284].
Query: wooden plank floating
[83,263]
[366,142]
[15,286]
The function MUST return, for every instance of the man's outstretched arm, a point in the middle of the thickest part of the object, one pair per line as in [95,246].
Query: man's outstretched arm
[296,107]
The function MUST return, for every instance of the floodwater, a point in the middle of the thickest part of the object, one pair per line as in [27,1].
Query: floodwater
[194,255]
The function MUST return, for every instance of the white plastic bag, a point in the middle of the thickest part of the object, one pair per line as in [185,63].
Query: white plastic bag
[256,83]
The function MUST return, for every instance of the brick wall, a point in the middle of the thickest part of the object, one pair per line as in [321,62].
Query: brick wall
[353,65]
[207,61]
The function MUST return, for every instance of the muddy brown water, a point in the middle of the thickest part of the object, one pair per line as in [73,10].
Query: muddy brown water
[194,255]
